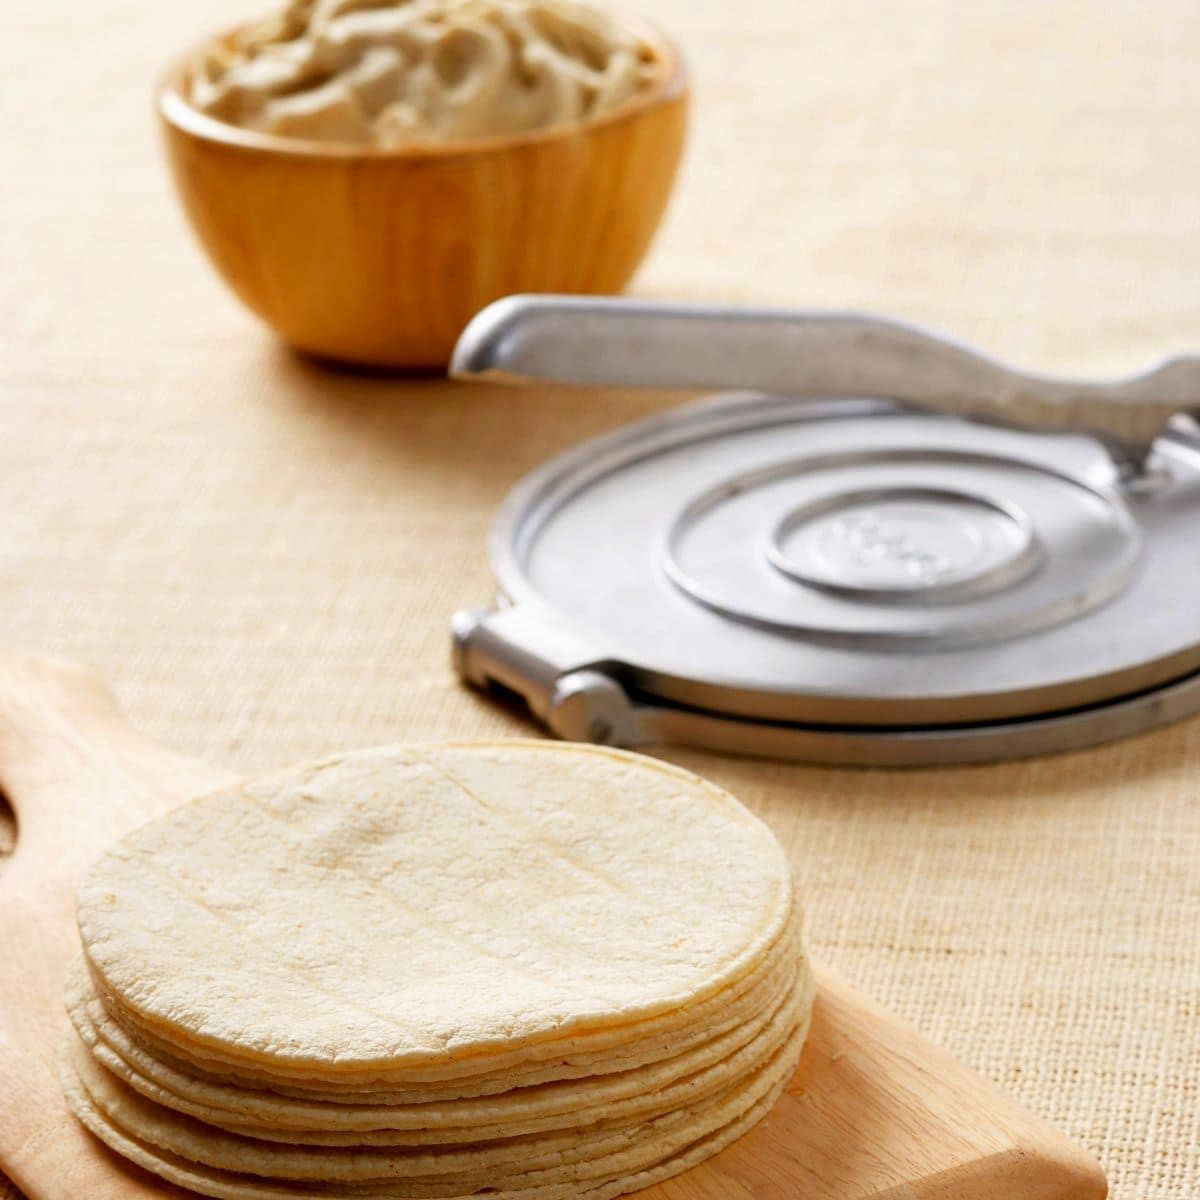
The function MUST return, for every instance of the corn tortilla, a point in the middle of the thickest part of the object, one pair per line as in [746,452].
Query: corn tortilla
[263,922]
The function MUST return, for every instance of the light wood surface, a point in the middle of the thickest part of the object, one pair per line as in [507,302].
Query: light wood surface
[380,257]
[874,1110]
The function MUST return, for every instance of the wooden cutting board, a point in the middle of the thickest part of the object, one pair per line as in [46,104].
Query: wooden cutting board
[874,1110]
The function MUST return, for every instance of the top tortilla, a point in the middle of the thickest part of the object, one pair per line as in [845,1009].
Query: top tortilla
[408,906]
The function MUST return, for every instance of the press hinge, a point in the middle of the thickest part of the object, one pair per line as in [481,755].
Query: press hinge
[566,682]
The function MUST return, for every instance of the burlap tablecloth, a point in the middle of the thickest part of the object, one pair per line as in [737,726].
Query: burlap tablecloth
[262,555]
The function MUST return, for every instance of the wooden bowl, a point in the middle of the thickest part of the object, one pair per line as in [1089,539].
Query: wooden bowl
[381,256]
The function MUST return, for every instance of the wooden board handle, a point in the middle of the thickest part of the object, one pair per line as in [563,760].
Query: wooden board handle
[70,763]
[77,776]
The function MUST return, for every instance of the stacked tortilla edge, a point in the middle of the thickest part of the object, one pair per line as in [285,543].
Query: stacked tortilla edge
[592,1115]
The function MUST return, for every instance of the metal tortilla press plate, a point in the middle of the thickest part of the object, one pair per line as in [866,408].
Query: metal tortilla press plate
[846,580]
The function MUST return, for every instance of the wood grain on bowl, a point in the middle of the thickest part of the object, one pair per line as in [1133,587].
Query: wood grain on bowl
[381,256]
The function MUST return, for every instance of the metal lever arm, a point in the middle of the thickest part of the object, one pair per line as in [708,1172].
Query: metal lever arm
[639,344]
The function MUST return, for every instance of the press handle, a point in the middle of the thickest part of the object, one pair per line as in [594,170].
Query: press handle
[642,344]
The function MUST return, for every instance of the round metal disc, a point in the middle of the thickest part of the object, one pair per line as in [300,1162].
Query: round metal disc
[856,563]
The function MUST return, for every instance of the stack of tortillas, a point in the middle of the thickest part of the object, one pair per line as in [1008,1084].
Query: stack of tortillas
[525,968]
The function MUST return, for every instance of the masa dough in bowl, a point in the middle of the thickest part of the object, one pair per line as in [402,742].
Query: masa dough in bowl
[525,968]
[404,71]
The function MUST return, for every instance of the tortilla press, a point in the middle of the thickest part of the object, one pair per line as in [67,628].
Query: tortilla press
[891,550]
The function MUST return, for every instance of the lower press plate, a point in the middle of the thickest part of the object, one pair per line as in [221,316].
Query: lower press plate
[845,581]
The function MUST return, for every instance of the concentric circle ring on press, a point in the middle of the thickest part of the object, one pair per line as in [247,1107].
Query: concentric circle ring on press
[900,543]
[895,547]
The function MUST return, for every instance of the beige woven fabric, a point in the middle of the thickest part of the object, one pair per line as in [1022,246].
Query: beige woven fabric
[263,555]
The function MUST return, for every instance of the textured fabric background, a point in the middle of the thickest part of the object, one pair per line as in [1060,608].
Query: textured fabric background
[262,555]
